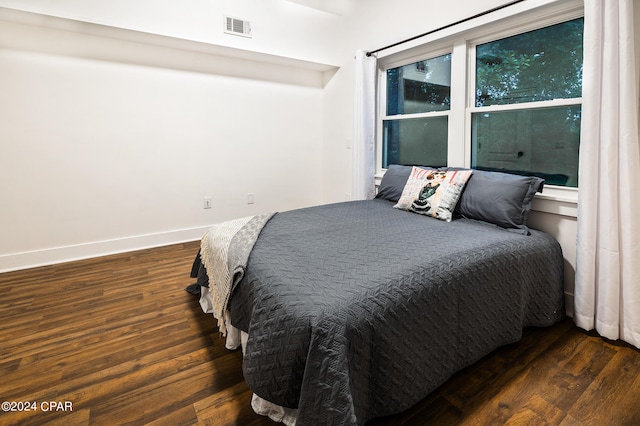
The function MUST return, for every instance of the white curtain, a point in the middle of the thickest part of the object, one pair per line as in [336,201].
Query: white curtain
[607,292]
[364,141]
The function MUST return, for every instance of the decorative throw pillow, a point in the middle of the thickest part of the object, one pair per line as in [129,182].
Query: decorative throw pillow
[433,193]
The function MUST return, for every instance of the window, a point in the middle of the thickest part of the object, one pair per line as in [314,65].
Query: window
[507,100]
[533,81]
[414,129]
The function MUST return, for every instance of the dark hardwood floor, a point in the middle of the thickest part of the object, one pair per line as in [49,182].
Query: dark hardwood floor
[119,341]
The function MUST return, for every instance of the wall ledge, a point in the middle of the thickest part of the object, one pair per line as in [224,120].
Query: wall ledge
[29,31]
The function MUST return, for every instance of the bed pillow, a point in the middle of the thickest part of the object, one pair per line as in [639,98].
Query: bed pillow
[500,198]
[433,193]
[393,182]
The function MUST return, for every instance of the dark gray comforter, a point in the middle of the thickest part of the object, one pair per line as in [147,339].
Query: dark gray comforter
[357,310]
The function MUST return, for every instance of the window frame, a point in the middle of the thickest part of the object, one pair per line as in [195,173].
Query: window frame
[461,41]
[382,106]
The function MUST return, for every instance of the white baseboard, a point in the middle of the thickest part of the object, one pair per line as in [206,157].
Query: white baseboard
[51,256]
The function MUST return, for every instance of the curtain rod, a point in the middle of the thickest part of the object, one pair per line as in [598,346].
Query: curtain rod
[486,12]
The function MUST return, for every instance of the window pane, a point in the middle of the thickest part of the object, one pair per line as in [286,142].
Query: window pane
[542,142]
[423,86]
[535,66]
[415,141]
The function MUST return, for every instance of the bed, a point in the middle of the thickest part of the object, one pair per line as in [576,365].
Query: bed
[355,310]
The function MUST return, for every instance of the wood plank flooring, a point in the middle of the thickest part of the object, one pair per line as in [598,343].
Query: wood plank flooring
[119,341]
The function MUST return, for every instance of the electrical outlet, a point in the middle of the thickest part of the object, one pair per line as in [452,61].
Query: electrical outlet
[250,198]
[207,202]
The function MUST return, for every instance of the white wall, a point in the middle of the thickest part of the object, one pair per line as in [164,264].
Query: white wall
[109,144]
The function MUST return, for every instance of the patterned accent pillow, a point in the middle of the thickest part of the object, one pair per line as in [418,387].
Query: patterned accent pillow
[433,193]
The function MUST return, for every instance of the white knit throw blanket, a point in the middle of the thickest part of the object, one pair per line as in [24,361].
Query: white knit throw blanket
[224,250]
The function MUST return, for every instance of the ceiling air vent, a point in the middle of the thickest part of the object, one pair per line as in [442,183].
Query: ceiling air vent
[237,26]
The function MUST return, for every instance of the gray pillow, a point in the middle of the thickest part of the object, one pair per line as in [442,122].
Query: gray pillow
[500,198]
[393,182]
